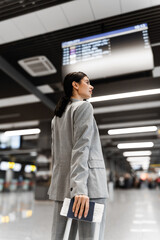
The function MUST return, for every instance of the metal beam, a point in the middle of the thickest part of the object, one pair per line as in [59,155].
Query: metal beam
[24,82]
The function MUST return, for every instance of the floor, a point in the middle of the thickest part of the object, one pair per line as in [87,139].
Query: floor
[131,215]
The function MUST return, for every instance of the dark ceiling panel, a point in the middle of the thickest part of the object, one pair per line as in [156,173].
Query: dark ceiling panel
[128,116]
[126,85]
[9,88]
[14,8]
[27,112]
[156,53]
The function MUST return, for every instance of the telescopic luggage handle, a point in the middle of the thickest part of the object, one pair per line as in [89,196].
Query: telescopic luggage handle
[68,228]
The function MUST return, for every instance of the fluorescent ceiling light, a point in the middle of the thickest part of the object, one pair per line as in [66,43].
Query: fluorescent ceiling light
[132,130]
[25,99]
[137,153]
[135,145]
[155,44]
[22,132]
[125,95]
[130,159]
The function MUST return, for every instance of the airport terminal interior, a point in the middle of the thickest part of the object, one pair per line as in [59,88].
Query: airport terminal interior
[117,44]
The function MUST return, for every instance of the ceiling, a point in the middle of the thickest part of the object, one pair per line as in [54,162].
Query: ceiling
[17,100]
[14,8]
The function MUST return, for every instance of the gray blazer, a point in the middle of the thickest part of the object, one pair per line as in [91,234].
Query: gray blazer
[78,163]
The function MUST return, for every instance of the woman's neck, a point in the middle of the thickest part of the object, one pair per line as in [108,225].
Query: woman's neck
[77,97]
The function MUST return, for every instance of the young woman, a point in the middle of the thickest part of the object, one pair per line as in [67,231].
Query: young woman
[78,164]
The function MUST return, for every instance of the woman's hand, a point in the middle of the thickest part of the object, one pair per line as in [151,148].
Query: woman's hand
[81,204]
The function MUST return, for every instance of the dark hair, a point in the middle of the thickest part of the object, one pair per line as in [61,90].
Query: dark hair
[68,90]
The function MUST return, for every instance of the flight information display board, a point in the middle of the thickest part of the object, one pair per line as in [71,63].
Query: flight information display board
[109,54]
[10,142]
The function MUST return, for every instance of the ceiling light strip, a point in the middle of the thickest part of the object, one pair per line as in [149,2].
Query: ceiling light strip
[135,145]
[23,132]
[137,153]
[132,130]
[137,159]
[125,95]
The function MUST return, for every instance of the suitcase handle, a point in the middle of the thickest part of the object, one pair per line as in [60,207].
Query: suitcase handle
[68,227]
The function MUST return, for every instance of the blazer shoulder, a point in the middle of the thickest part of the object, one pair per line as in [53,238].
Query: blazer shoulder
[83,111]
[83,106]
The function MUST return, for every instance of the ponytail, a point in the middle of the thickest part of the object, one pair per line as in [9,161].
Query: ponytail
[61,106]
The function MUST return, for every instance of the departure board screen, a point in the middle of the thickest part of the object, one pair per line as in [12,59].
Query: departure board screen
[9,142]
[109,54]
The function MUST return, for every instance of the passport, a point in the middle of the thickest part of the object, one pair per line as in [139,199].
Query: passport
[89,217]
[95,212]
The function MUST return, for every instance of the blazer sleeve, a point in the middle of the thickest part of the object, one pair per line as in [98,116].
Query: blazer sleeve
[83,127]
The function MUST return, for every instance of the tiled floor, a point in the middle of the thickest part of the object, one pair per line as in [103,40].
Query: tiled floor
[132,215]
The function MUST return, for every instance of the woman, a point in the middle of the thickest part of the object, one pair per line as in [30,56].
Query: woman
[78,164]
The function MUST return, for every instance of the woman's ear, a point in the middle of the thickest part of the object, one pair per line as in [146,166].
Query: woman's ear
[75,85]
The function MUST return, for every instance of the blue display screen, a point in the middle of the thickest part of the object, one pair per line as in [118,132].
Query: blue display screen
[109,54]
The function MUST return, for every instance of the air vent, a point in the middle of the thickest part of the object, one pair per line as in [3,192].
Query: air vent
[37,66]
